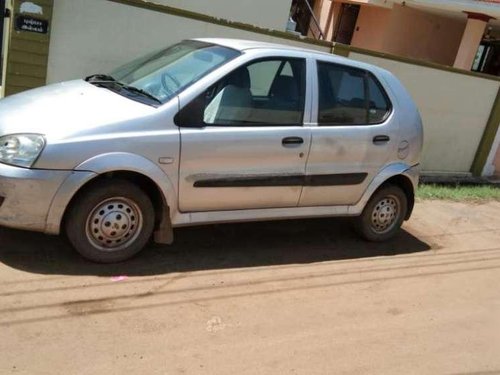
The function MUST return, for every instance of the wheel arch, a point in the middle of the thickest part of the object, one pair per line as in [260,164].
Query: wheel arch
[398,174]
[405,184]
[123,166]
[142,181]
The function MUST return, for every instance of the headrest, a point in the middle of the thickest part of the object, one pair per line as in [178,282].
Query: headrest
[285,87]
[239,78]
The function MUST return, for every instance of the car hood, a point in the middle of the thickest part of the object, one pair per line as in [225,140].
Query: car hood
[73,108]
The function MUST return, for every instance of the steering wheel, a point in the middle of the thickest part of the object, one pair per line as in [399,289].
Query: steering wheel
[167,76]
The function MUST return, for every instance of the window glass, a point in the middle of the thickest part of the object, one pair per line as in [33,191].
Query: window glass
[341,95]
[477,59]
[266,92]
[287,70]
[262,76]
[379,105]
[351,88]
[349,96]
[163,74]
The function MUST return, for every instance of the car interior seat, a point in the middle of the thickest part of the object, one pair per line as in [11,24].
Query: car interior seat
[284,93]
[233,104]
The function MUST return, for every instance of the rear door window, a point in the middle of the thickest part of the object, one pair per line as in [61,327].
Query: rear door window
[350,96]
[379,105]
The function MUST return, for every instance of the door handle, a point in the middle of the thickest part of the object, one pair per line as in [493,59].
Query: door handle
[379,139]
[291,141]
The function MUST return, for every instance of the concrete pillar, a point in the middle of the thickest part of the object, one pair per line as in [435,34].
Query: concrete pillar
[326,19]
[323,11]
[496,163]
[473,34]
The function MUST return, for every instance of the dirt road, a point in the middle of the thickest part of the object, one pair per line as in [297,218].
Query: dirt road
[298,297]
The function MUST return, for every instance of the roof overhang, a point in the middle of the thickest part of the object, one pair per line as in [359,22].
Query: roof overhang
[489,8]
[378,3]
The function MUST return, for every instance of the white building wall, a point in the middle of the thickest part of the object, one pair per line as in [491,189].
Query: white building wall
[455,109]
[96,36]
[270,14]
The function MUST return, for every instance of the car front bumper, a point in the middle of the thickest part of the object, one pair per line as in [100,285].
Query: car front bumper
[26,196]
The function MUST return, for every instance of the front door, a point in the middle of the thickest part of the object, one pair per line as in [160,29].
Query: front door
[355,136]
[243,143]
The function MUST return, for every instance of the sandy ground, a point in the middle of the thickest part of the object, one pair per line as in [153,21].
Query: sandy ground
[297,297]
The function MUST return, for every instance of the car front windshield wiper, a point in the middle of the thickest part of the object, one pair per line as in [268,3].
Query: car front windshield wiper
[141,92]
[108,82]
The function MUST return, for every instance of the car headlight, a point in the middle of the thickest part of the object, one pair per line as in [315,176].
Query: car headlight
[21,149]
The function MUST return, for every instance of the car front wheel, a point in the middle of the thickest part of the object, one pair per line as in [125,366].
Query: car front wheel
[110,222]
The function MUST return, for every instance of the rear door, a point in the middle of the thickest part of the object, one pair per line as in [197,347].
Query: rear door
[353,138]
[243,141]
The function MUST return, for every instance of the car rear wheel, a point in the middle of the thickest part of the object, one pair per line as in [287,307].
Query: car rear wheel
[383,215]
[110,222]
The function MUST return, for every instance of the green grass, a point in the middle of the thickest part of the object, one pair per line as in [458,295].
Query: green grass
[479,193]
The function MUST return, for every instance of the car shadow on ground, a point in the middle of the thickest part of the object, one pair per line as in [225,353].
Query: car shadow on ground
[210,247]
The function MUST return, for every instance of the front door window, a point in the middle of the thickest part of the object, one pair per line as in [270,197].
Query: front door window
[268,92]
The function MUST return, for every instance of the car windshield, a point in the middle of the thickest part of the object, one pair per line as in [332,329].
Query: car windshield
[163,74]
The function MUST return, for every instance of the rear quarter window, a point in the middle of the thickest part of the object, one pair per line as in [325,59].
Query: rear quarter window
[379,104]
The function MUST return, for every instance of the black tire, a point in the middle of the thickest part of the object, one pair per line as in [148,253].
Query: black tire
[110,222]
[383,215]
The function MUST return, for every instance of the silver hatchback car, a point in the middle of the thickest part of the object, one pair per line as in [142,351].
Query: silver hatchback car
[209,131]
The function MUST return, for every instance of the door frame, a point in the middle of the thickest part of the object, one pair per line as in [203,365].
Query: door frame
[191,93]
[341,17]
[345,180]
[490,49]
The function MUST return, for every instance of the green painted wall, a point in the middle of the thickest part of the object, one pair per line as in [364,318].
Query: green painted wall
[488,138]
[28,51]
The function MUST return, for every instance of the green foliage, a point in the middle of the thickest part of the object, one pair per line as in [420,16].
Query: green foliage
[459,193]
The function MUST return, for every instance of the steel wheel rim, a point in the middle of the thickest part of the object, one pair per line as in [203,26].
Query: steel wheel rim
[114,224]
[385,214]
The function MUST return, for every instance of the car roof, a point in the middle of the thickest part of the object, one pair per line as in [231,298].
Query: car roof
[245,45]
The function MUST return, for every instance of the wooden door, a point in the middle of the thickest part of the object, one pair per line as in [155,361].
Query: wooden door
[347,23]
